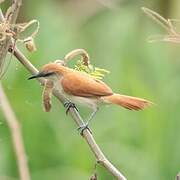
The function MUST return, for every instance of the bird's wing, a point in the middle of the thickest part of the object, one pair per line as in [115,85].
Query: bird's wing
[84,85]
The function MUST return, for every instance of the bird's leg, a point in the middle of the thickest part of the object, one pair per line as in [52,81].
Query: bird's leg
[86,125]
[69,105]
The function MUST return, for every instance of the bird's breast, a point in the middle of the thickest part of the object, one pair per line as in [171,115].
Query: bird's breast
[89,102]
[58,85]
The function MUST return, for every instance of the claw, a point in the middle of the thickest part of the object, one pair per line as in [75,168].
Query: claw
[83,127]
[69,105]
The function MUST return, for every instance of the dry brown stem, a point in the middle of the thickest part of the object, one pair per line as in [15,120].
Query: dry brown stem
[11,16]
[76,52]
[172,34]
[178,177]
[15,130]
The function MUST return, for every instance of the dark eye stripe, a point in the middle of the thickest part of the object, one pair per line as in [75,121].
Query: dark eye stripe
[48,74]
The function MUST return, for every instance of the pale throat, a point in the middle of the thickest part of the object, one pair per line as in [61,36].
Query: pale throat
[57,78]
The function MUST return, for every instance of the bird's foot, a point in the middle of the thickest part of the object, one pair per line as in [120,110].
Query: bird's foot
[69,105]
[83,127]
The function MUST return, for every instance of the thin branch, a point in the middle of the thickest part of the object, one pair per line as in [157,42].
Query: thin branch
[76,52]
[178,177]
[172,34]
[13,10]
[16,135]
[100,157]
[11,16]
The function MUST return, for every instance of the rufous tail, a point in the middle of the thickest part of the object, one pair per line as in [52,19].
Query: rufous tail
[128,102]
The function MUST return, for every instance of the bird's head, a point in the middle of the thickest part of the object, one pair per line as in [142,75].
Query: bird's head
[50,71]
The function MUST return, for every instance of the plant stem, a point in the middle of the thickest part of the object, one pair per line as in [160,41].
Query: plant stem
[15,130]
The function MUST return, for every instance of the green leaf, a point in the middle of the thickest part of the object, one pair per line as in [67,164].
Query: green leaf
[96,72]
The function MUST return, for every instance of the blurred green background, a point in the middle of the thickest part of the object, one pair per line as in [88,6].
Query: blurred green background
[143,145]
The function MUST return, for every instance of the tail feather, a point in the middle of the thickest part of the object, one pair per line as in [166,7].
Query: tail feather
[128,102]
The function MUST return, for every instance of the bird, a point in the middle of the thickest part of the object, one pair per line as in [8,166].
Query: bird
[83,89]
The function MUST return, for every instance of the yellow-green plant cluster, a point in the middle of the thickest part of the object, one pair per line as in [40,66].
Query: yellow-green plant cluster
[96,72]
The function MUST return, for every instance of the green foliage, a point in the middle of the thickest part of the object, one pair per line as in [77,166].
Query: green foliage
[96,72]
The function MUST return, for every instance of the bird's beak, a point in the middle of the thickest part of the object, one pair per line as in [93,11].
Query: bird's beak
[40,74]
